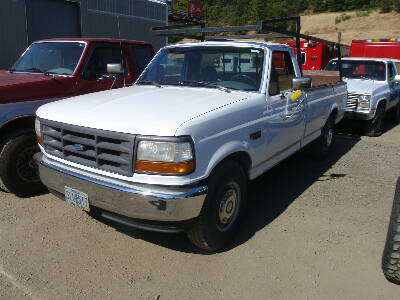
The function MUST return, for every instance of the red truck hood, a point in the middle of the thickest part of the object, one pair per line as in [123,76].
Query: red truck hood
[17,87]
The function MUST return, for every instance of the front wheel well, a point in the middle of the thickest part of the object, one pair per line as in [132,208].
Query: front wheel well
[241,157]
[16,124]
[382,103]
[334,113]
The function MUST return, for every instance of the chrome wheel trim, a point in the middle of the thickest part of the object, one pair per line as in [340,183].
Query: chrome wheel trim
[228,209]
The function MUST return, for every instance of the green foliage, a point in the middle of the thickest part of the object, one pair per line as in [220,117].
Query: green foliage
[341,18]
[235,12]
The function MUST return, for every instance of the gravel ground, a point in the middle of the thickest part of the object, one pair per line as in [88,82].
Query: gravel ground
[314,230]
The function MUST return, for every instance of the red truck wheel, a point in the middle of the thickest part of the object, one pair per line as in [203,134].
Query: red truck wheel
[391,254]
[18,173]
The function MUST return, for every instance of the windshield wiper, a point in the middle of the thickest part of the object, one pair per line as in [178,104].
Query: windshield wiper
[36,69]
[11,70]
[150,82]
[206,84]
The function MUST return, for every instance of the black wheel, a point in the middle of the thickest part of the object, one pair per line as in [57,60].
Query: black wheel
[321,147]
[222,209]
[374,127]
[395,114]
[391,253]
[18,172]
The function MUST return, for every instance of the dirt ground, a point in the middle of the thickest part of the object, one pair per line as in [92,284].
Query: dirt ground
[375,25]
[314,230]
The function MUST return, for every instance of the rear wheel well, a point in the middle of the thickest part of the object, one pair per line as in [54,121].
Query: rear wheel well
[334,114]
[16,124]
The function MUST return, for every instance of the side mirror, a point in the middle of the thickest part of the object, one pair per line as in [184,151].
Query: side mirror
[397,78]
[115,69]
[301,83]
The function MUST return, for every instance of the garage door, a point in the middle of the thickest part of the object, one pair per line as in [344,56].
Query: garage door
[52,19]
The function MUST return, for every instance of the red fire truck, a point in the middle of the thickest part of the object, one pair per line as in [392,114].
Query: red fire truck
[378,48]
[316,55]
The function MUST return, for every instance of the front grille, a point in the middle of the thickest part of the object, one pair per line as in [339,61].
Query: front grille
[352,100]
[105,150]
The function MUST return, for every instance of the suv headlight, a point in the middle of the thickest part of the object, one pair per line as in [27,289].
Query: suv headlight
[38,132]
[163,157]
[364,102]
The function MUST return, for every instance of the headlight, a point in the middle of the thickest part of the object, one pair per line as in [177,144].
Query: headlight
[364,102]
[171,158]
[38,132]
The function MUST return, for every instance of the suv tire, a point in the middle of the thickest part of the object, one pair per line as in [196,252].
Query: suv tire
[374,127]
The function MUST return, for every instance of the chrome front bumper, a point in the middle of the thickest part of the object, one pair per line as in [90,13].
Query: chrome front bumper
[145,202]
[359,115]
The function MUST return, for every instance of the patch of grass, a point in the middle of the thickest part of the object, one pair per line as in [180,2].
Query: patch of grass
[362,13]
[342,18]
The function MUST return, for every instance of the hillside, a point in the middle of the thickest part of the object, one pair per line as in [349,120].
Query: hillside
[375,25]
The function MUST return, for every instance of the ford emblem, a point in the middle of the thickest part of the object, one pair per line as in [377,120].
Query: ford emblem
[79,147]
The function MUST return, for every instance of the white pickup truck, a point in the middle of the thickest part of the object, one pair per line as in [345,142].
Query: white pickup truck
[176,150]
[374,90]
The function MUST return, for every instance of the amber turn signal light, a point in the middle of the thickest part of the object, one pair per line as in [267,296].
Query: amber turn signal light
[39,139]
[175,168]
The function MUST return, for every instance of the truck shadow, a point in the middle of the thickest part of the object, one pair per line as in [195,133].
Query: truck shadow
[356,128]
[269,196]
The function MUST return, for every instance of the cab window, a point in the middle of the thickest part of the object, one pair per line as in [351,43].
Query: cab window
[282,73]
[99,58]
[391,72]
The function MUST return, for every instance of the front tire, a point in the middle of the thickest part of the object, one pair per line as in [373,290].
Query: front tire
[18,172]
[391,253]
[373,127]
[395,114]
[222,209]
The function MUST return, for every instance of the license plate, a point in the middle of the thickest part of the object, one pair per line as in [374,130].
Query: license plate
[77,198]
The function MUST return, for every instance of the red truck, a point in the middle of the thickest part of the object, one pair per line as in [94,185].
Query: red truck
[51,70]
[378,48]
[316,55]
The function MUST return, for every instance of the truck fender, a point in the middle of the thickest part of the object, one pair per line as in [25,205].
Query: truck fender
[225,151]
[12,111]
[332,110]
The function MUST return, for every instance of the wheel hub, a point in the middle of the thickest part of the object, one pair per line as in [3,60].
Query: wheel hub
[26,166]
[329,136]
[228,207]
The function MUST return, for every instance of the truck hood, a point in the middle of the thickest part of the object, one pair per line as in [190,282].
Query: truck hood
[363,86]
[146,110]
[16,86]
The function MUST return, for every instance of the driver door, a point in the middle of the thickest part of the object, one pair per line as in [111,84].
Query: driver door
[92,78]
[286,108]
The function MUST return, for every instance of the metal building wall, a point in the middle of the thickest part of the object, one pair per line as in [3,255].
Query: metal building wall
[127,19]
[13,36]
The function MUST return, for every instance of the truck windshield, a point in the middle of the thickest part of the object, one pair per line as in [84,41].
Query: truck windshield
[360,69]
[60,58]
[219,67]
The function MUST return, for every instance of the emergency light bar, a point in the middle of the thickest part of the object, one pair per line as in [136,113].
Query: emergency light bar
[391,40]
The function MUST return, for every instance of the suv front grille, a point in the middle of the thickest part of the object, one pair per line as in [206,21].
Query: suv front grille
[105,150]
[352,100]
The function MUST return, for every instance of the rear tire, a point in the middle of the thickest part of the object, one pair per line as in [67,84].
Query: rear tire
[18,172]
[391,253]
[373,127]
[395,114]
[321,147]
[223,207]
